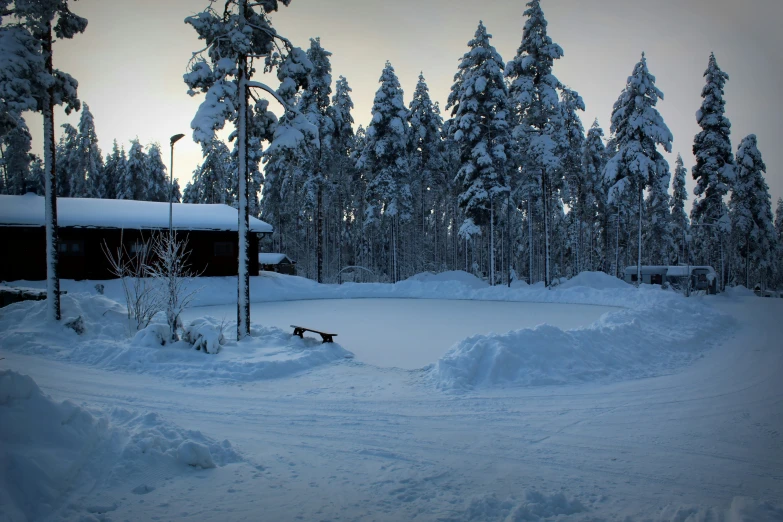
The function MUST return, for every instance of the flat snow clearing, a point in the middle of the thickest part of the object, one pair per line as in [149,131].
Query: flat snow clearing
[408,333]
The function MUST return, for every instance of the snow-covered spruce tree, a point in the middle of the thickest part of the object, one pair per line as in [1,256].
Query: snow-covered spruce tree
[480,108]
[714,169]
[341,172]
[214,181]
[535,102]
[156,181]
[779,232]
[572,139]
[15,159]
[658,241]
[131,182]
[66,159]
[88,163]
[750,208]
[679,219]
[593,162]
[235,38]
[114,168]
[385,162]
[26,48]
[425,143]
[638,129]
[35,181]
[314,103]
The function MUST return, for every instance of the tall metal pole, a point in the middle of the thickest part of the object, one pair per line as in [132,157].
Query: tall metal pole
[174,139]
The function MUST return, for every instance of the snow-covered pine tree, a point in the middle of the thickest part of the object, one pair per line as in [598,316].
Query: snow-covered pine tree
[132,181]
[750,208]
[235,37]
[385,162]
[214,181]
[425,135]
[535,102]
[15,159]
[638,128]
[156,181]
[113,170]
[480,108]
[40,87]
[66,155]
[714,169]
[679,219]
[88,164]
[593,162]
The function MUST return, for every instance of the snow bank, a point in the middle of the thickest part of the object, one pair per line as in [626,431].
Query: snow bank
[49,449]
[106,343]
[742,509]
[661,332]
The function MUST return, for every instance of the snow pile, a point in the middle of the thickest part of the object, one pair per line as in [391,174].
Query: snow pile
[205,334]
[269,353]
[595,280]
[535,506]
[457,276]
[49,450]
[662,332]
[738,291]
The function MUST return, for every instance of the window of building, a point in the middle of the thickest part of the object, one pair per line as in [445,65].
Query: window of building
[70,247]
[224,249]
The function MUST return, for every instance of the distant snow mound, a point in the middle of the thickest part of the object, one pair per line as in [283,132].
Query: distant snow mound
[665,332]
[49,449]
[459,276]
[595,280]
[738,291]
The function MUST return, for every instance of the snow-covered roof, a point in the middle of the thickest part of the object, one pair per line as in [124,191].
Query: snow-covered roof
[272,259]
[672,271]
[28,211]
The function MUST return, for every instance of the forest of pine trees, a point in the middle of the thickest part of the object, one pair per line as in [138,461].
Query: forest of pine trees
[506,183]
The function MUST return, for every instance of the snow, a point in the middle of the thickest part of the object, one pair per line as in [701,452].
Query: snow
[666,409]
[28,210]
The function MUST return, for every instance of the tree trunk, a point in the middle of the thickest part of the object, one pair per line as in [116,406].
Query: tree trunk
[491,243]
[243,279]
[530,238]
[50,204]
[319,241]
[639,257]
[546,226]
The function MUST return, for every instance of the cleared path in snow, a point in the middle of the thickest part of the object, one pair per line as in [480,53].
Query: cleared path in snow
[408,333]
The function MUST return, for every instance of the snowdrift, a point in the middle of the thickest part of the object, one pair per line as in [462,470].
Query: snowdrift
[107,344]
[659,333]
[49,450]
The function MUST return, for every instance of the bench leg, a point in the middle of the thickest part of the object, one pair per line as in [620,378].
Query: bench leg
[299,332]
[326,338]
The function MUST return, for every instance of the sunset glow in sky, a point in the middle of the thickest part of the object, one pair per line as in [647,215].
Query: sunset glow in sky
[130,61]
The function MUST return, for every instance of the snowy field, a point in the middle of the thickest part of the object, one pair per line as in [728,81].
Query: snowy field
[630,405]
[407,333]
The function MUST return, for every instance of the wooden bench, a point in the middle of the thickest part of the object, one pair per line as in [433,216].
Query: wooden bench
[325,337]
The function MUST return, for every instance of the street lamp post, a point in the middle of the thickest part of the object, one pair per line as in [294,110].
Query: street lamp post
[174,140]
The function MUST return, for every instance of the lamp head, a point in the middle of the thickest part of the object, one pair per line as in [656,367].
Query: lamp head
[176,138]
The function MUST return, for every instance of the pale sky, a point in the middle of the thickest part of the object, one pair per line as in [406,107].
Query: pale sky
[130,61]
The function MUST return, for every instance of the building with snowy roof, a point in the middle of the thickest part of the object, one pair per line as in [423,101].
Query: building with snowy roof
[276,262]
[87,226]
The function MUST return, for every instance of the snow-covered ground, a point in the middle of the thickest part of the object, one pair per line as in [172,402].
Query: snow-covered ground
[666,409]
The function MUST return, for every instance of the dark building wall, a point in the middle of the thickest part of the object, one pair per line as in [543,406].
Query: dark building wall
[23,252]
